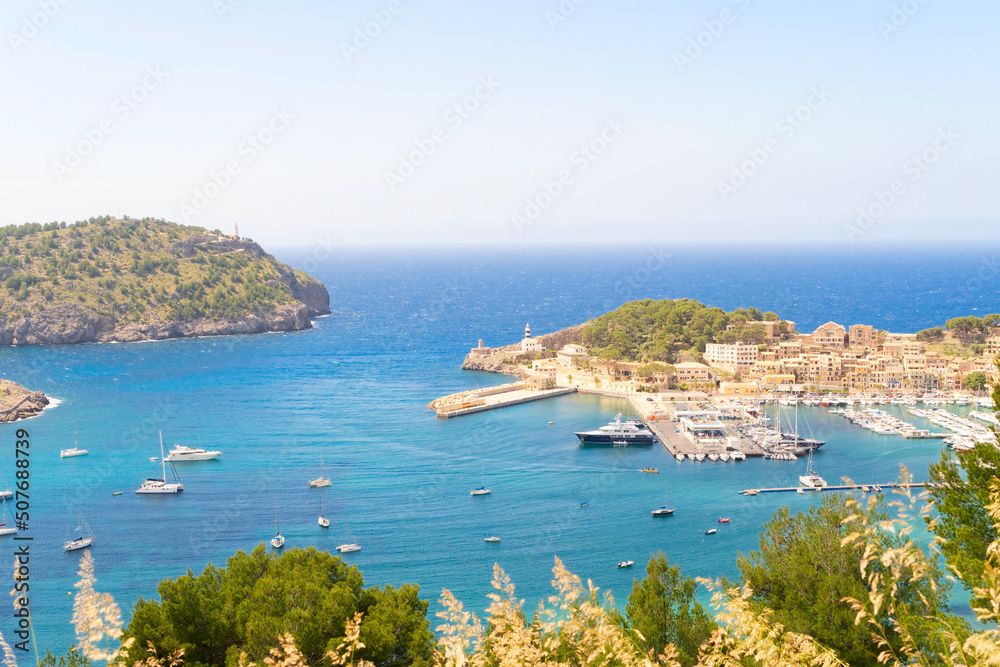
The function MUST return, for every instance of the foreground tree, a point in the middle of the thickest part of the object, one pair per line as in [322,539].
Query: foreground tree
[246,607]
[662,610]
[803,572]
[961,494]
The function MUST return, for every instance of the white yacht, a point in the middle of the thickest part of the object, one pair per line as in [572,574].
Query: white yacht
[79,542]
[183,453]
[618,433]
[320,481]
[152,485]
[492,538]
[322,520]
[72,451]
[811,479]
[482,490]
[278,540]
[4,528]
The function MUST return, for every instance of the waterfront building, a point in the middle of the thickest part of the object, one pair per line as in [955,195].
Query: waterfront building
[571,354]
[902,348]
[732,357]
[863,336]
[692,371]
[830,334]
[992,347]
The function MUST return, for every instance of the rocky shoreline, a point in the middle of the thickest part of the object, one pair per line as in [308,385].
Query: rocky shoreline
[16,402]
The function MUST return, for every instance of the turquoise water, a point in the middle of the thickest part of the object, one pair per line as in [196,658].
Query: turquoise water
[353,390]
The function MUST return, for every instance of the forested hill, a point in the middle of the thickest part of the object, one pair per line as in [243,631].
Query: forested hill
[660,330]
[107,279]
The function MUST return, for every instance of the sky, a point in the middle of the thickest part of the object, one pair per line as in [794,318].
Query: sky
[507,123]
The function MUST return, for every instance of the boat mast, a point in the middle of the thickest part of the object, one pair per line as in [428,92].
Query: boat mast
[163,462]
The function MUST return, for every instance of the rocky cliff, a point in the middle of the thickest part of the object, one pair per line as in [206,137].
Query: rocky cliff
[16,402]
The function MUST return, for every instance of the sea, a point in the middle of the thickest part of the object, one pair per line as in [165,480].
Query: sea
[350,395]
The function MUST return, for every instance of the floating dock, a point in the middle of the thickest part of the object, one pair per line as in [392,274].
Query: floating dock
[835,487]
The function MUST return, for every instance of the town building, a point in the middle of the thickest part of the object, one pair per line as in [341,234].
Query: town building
[732,357]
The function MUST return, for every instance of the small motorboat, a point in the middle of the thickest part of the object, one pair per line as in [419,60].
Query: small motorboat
[650,470]
[585,503]
[492,538]
[116,493]
[712,531]
[626,563]
[724,519]
[679,457]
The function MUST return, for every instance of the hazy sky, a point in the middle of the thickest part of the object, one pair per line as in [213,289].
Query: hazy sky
[507,122]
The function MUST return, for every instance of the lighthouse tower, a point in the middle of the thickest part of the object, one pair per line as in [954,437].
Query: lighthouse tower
[529,345]
[236,230]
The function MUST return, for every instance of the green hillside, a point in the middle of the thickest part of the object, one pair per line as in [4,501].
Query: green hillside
[144,271]
[659,330]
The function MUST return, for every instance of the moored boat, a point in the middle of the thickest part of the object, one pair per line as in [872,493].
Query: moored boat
[618,433]
[182,453]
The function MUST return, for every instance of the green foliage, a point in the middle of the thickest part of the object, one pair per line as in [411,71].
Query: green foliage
[968,328]
[803,572]
[662,610]
[655,368]
[73,658]
[258,596]
[164,271]
[930,335]
[659,330]
[976,380]
[960,489]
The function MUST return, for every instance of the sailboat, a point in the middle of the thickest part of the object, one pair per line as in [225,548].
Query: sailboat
[72,451]
[349,546]
[322,521]
[481,491]
[152,485]
[320,481]
[277,541]
[811,479]
[4,528]
[663,511]
[80,542]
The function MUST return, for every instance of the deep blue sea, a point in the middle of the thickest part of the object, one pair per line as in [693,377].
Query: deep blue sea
[353,391]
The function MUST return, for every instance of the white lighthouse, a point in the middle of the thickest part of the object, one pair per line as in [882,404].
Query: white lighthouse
[529,344]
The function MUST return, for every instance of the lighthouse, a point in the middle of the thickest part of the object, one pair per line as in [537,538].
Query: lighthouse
[529,345]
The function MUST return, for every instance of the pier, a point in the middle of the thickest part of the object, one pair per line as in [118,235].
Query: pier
[836,487]
[490,398]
